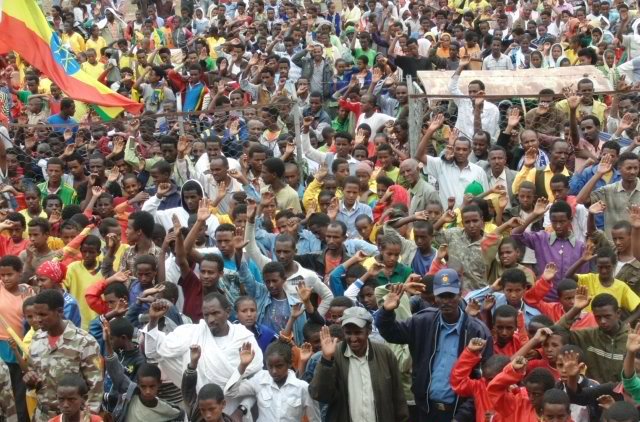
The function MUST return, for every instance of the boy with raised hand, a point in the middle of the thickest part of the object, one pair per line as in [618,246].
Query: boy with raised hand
[605,344]
[566,288]
[465,386]
[549,340]
[604,281]
[630,379]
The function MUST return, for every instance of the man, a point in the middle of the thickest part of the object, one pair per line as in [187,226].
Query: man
[498,174]
[367,113]
[618,196]
[454,172]
[542,178]
[272,176]
[497,60]
[545,119]
[357,378]
[587,105]
[604,346]
[7,403]
[215,334]
[59,347]
[467,108]
[154,92]
[421,192]
[55,186]
[412,62]
[65,118]
[436,337]
[316,69]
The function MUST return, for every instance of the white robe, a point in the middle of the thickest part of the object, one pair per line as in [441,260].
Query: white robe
[216,364]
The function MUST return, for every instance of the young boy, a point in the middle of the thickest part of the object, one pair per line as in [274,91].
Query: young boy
[15,243]
[560,188]
[546,342]
[559,246]
[349,207]
[566,294]
[526,202]
[38,251]
[518,406]
[82,274]
[628,266]
[72,395]
[556,406]
[570,364]
[465,386]
[604,281]
[136,398]
[208,404]
[247,311]
[509,330]
[513,284]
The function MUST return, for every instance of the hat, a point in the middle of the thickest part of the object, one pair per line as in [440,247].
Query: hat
[474,188]
[356,315]
[446,281]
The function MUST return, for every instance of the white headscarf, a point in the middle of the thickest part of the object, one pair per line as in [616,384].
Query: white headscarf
[103,22]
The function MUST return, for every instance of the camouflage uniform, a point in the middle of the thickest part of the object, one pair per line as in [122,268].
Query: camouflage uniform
[75,352]
[7,402]
[468,254]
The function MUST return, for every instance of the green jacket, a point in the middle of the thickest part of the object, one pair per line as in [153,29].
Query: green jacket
[632,386]
[66,193]
[604,354]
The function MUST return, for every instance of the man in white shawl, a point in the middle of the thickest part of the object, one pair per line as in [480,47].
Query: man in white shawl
[219,341]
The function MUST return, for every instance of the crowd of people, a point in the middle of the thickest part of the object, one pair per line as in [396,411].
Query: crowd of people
[235,261]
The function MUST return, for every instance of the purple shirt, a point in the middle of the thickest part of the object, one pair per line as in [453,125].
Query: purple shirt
[549,248]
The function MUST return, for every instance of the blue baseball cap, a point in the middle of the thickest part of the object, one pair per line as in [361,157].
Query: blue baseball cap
[446,281]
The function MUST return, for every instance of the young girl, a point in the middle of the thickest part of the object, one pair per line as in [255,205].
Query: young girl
[247,314]
[72,395]
[277,384]
[33,199]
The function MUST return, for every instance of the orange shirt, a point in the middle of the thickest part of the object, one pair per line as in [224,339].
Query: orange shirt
[11,305]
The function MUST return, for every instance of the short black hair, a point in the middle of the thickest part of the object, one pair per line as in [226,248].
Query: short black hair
[121,327]
[506,311]
[274,267]
[281,349]
[514,276]
[566,284]
[556,396]
[604,299]
[143,221]
[222,300]
[542,320]
[147,370]
[310,328]
[560,178]
[621,411]
[573,349]
[275,166]
[352,180]
[119,290]
[561,207]
[212,257]
[74,381]
[341,301]
[211,392]
[626,156]
[343,227]
[540,376]
[11,261]
[146,259]
[40,222]
[51,297]
[607,252]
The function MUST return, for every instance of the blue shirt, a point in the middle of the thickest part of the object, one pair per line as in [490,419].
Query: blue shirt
[71,310]
[422,263]
[446,355]
[501,299]
[578,180]
[348,217]
[56,119]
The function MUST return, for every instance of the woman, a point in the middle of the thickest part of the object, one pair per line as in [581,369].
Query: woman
[555,55]
[536,60]
[443,46]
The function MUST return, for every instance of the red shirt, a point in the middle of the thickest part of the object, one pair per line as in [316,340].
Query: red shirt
[518,340]
[192,290]
[554,310]
[542,363]
[463,385]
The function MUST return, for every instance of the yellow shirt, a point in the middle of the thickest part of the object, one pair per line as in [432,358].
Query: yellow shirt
[27,218]
[213,43]
[529,174]
[598,109]
[94,70]
[75,41]
[96,45]
[626,297]
[77,281]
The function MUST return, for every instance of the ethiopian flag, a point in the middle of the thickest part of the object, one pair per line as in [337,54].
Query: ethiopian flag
[25,30]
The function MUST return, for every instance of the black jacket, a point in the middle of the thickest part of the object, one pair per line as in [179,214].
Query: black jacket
[421,333]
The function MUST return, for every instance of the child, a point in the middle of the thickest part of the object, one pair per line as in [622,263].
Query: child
[82,274]
[560,188]
[72,395]
[570,364]
[506,322]
[247,314]
[519,406]
[566,294]
[50,275]
[555,406]
[16,241]
[630,379]
[559,247]
[507,251]
[621,412]
[526,201]
[386,268]
[277,384]
[33,199]
[137,400]
[38,251]
[462,383]
[513,284]
[350,208]
[604,281]
[206,405]
[551,340]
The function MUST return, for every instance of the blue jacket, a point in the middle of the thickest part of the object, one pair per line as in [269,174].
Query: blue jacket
[71,310]
[421,333]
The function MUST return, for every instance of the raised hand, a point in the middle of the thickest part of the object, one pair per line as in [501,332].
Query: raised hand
[204,212]
[477,345]
[626,122]
[97,190]
[304,292]
[633,340]
[530,157]
[306,351]
[375,268]
[541,206]
[194,355]
[542,335]
[246,357]
[597,207]
[589,251]
[332,209]
[605,165]
[473,308]
[67,135]
[436,123]
[163,189]
[158,309]
[327,343]
[573,99]
[392,300]
[414,285]
[360,137]
[605,401]
[489,303]
[634,216]
[119,277]
[571,363]
[297,310]
[519,363]
[582,298]
[443,252]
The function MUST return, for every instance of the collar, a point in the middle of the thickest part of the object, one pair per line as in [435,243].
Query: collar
[349,354]
[502,176]
[456,327]
[553,237]
[345,209]
[619,187]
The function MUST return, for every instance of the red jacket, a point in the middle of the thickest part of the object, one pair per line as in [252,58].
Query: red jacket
[512,407]
[520,337]
[465,386]
[554,310]
[93,296]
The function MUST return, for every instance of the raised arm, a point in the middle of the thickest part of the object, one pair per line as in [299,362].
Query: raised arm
[421,151]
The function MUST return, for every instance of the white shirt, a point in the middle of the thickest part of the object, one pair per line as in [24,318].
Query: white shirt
[288,403]
[376,122]
[500,180]
[490,115]
[362,406]
[578,224]
[501,63]
[452,180]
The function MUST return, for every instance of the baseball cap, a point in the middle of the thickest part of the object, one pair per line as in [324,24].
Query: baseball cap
[446,281]
[356,315]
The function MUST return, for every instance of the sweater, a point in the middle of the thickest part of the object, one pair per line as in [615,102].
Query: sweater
[330,385]
[509,405]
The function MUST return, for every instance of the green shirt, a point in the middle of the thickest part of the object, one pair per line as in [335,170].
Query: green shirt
[399,275]
[370,54]
[66,193]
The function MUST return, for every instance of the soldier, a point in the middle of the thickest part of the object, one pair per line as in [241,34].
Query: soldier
[7,403]
[57,349]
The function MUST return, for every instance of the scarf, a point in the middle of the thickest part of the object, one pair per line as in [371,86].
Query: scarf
[54,270]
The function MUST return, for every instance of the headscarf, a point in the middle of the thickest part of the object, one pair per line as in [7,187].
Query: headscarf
[54,270]
[364,166]
[611,73]
[103,22]
[549,61]
[441,52]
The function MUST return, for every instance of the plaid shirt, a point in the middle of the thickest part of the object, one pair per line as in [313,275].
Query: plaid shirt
[129,257]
